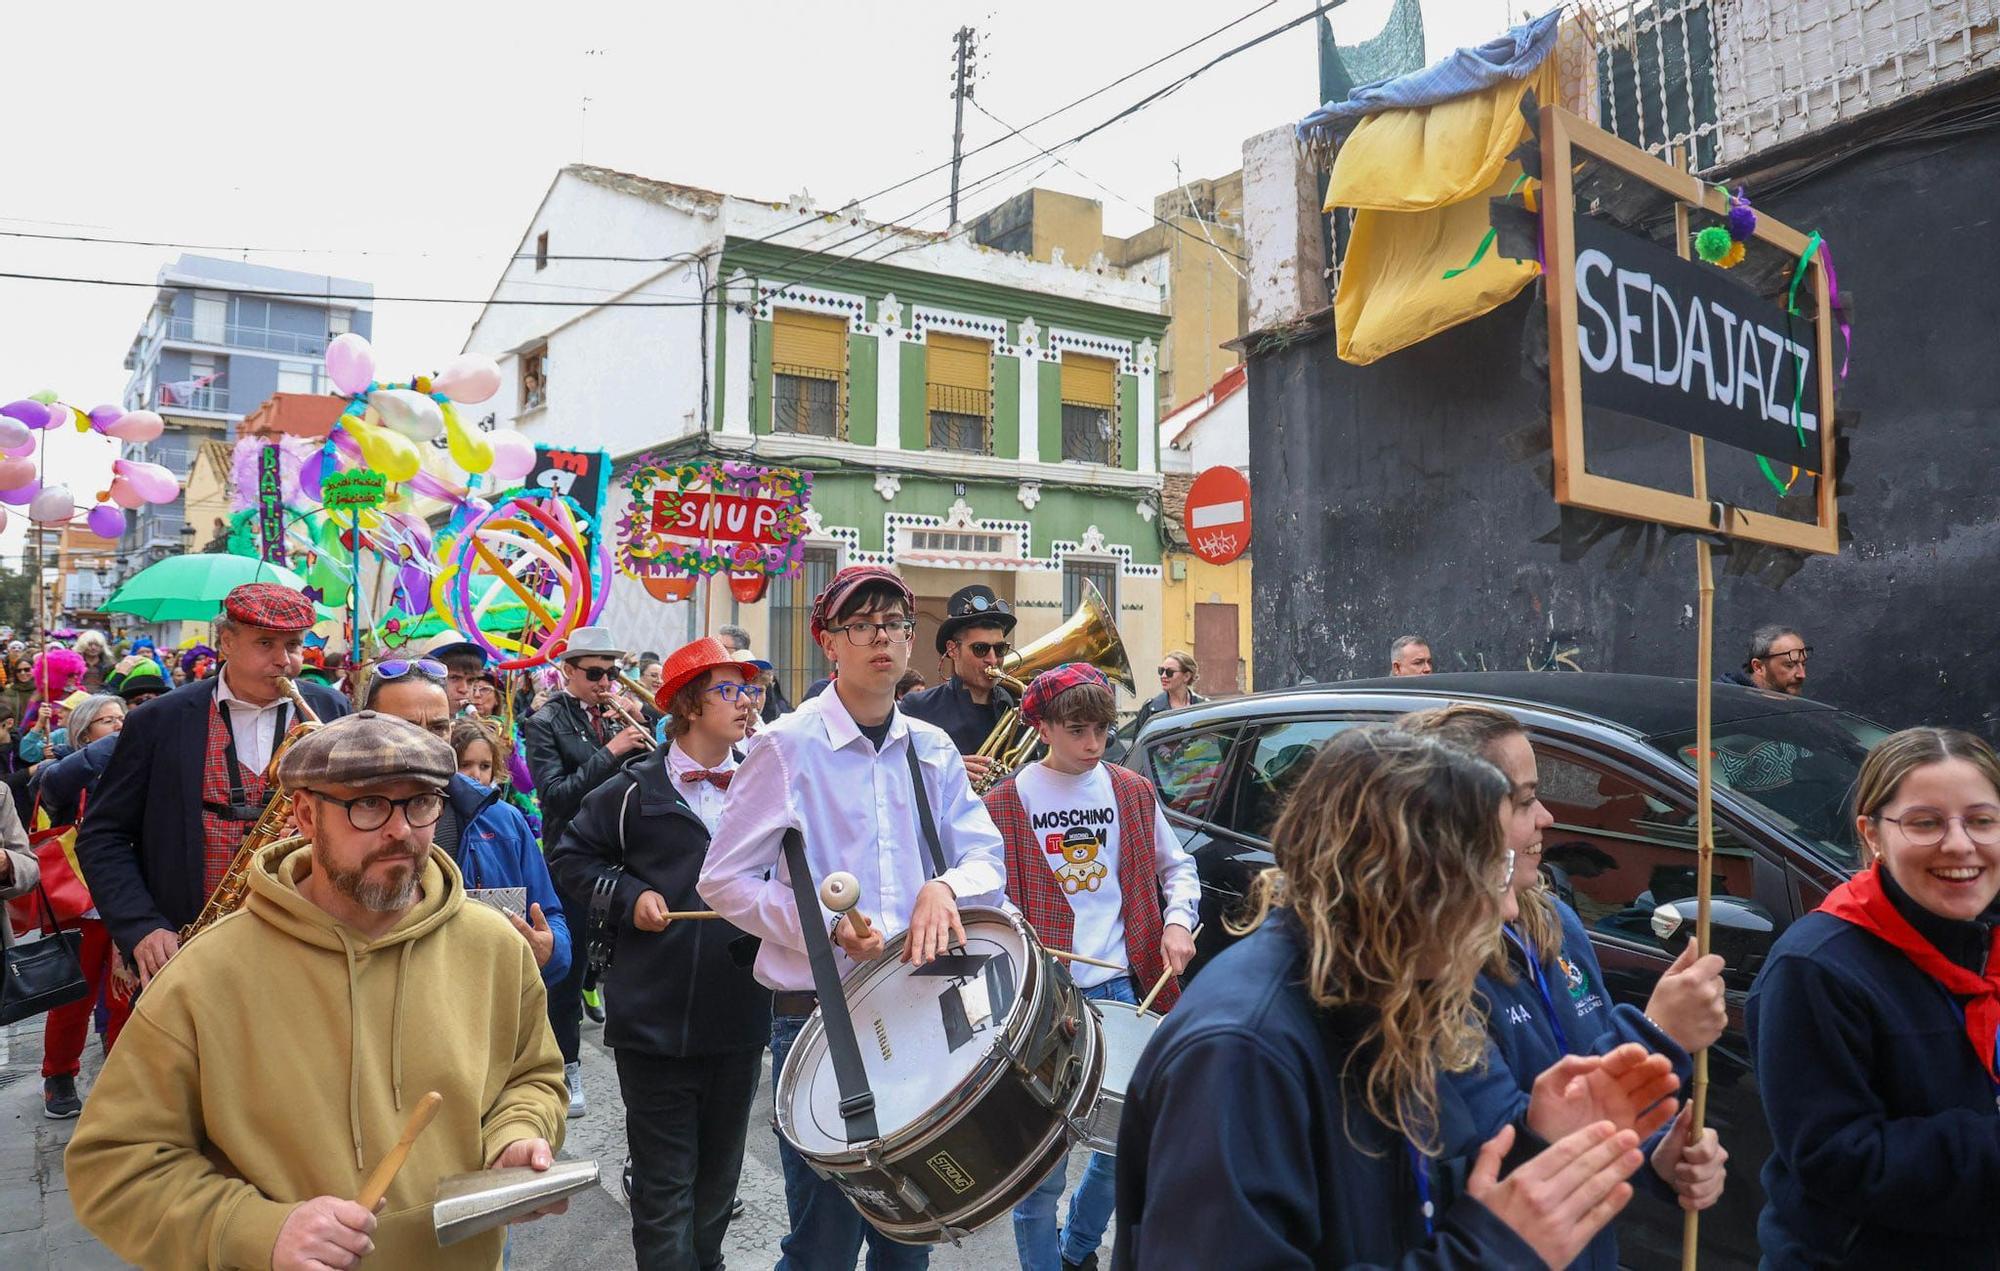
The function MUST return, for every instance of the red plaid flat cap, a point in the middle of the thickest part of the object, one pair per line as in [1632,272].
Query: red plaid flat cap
[272,606]
[846,583]
[1051,684]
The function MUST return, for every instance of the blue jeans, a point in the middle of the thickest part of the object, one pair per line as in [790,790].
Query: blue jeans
[1040,1246]
[827,1230]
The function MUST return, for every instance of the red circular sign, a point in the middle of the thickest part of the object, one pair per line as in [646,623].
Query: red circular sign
[1217,518]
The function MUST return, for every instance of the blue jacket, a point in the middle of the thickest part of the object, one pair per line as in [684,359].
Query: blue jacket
[1522,1046]
[496,849]
[1241,1145]
[1885,1143]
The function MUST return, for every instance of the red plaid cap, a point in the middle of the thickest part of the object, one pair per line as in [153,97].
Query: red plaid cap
[1051,684]
[272,606]
[846,583]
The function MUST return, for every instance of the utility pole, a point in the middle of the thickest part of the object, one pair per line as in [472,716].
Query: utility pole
[961,88]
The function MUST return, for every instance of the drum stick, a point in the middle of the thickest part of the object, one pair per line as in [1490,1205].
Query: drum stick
[1166,975]
[692,913]
[385,1173]
[839,893]
[1067,956]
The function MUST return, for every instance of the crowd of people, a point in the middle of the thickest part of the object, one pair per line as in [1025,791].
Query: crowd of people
[1410,1055]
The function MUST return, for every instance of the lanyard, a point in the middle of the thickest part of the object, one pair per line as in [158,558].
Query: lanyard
[1420,1166]
[1541,983]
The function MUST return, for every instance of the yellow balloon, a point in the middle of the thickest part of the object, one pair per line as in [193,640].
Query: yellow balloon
[469,447]
[389,453]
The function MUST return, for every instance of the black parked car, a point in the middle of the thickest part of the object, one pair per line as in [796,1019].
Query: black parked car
[1617,761]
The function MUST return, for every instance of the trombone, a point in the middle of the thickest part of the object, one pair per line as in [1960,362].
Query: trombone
[1090,635]
[630,719]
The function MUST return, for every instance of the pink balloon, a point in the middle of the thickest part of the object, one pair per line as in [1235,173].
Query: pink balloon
[23,496]
[350,363]
[60,416]
[52,505]
[122,494]
[25,450]
[106,521]
[153,483]
[138,425]
[471,378]
[102,417]
[513,456]
[15,473]
[431,488]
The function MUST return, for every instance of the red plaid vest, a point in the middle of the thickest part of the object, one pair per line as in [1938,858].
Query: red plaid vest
[220,835]
[1032,885]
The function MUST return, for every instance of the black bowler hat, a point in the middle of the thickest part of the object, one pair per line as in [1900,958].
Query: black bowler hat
[974,606]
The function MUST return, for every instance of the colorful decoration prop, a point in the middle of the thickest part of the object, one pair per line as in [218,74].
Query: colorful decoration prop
[52,504]
[1725,245]
[359,488]
[531,554]
[691,519]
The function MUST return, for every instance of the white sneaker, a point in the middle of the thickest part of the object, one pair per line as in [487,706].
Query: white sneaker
[573,1078]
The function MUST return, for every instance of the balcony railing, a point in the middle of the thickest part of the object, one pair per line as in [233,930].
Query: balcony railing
[231,335]
[216,399]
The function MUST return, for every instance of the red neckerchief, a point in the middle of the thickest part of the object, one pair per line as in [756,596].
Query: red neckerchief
[1862,901]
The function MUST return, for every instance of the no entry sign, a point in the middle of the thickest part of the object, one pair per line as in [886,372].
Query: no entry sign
[1217,518]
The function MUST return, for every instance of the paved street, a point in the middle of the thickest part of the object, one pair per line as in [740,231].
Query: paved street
[38,1232]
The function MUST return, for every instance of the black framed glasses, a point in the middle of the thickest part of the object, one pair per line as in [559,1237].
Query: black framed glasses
[989,648]
[372,811]
[596,673]
[730,691]
[397,668]
[1926,828]
[1169,672]
[1791,658]
[863,634]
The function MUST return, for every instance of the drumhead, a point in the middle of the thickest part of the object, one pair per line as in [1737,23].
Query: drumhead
[917,1044]
[1126,1033]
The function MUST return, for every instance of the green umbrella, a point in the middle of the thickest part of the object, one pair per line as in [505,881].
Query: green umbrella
[191,588]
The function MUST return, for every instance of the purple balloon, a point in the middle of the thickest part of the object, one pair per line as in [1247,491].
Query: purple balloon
[102,417]
[311,473]
[106,520]
[22,497]
[31,413]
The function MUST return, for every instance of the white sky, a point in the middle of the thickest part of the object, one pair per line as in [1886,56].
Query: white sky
[408,144]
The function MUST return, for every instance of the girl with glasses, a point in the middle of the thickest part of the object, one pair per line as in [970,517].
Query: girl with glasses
[1177,672]
[1544,996]
[1873,1028]
[1292,1110]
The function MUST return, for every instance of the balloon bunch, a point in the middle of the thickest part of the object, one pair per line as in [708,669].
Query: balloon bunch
[133,483]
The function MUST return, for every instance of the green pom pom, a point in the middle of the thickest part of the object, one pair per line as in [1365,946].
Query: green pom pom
[1713,243]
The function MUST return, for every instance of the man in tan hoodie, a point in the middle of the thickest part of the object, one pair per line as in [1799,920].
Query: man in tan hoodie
[275,1060]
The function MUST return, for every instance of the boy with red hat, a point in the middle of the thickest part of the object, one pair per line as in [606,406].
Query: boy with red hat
[838,772]
[1095,867]
[689,1022]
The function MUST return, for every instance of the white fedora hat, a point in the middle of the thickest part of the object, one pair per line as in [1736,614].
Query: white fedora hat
[592,642]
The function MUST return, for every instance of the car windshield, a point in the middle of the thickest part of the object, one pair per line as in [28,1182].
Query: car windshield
[1799,767]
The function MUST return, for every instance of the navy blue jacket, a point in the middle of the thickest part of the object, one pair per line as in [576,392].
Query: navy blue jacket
[497,849]
[1885,1139]
[950,706]
[1241,1145]
[1523,1046]
[61,786]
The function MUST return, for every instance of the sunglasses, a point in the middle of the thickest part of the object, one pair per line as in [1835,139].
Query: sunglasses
[1169,672]
[984,649]
[596,673]
[397,668]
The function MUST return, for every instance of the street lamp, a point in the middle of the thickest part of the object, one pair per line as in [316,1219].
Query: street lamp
[187,537]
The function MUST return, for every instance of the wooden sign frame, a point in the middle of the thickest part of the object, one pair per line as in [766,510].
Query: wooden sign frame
[1563,135]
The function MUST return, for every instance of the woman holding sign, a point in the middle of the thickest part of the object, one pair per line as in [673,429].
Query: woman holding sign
[1874,1023]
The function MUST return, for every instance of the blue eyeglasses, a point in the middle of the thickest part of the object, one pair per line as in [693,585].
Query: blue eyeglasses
[729,691]
[397,668]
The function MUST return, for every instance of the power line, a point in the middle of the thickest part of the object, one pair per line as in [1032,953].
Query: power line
[689,302]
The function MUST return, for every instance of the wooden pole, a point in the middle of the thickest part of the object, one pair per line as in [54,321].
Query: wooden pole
[1704,761]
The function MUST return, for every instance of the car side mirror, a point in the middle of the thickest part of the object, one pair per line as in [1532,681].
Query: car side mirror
[1740,930]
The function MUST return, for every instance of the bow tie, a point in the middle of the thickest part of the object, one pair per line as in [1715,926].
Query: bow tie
[714,776]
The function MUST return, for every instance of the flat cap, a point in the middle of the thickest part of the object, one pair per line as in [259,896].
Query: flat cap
[1051,684]
[827,605]
[272,606]
[366,749]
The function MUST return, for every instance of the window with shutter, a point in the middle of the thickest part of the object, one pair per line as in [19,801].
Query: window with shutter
[1089,409]
[960,392]
[808,373]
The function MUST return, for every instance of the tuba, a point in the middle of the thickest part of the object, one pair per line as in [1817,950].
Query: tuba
[273,825]
[1090,636]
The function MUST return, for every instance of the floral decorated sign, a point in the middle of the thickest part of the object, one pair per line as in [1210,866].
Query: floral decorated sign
[704,518]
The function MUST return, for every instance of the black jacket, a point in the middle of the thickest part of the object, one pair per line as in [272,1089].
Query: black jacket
[775,703]
[1245,1142]
[566,760]
[950,707]
[1156,705]
[140,844]
[677,992]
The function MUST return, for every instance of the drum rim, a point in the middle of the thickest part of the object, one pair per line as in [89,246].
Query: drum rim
[1104,1097]
[978,1083]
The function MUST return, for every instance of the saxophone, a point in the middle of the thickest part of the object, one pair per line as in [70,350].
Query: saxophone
[270,827]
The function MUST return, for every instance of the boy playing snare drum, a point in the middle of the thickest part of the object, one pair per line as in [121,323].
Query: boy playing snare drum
[1096,868]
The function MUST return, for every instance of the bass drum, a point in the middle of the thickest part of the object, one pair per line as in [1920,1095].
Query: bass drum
[983,1067]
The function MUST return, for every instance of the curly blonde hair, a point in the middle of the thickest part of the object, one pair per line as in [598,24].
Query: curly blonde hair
[1388,857]
[1477,728]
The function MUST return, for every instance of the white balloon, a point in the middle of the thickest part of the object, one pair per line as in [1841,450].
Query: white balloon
[54,505]
[413,414]
[13,433]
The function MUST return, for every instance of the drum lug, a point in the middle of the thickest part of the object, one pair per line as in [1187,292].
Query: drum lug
[1040,1089]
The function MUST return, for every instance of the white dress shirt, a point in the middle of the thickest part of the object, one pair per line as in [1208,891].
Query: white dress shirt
[815,771]
[255,728]
[703,796]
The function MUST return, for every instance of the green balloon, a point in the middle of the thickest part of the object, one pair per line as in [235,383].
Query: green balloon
[46,397]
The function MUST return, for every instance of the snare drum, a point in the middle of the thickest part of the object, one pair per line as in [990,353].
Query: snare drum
[1126,1033]
[982,1078]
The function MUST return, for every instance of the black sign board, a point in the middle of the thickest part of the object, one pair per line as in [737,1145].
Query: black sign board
[1681,343]
[582,475]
